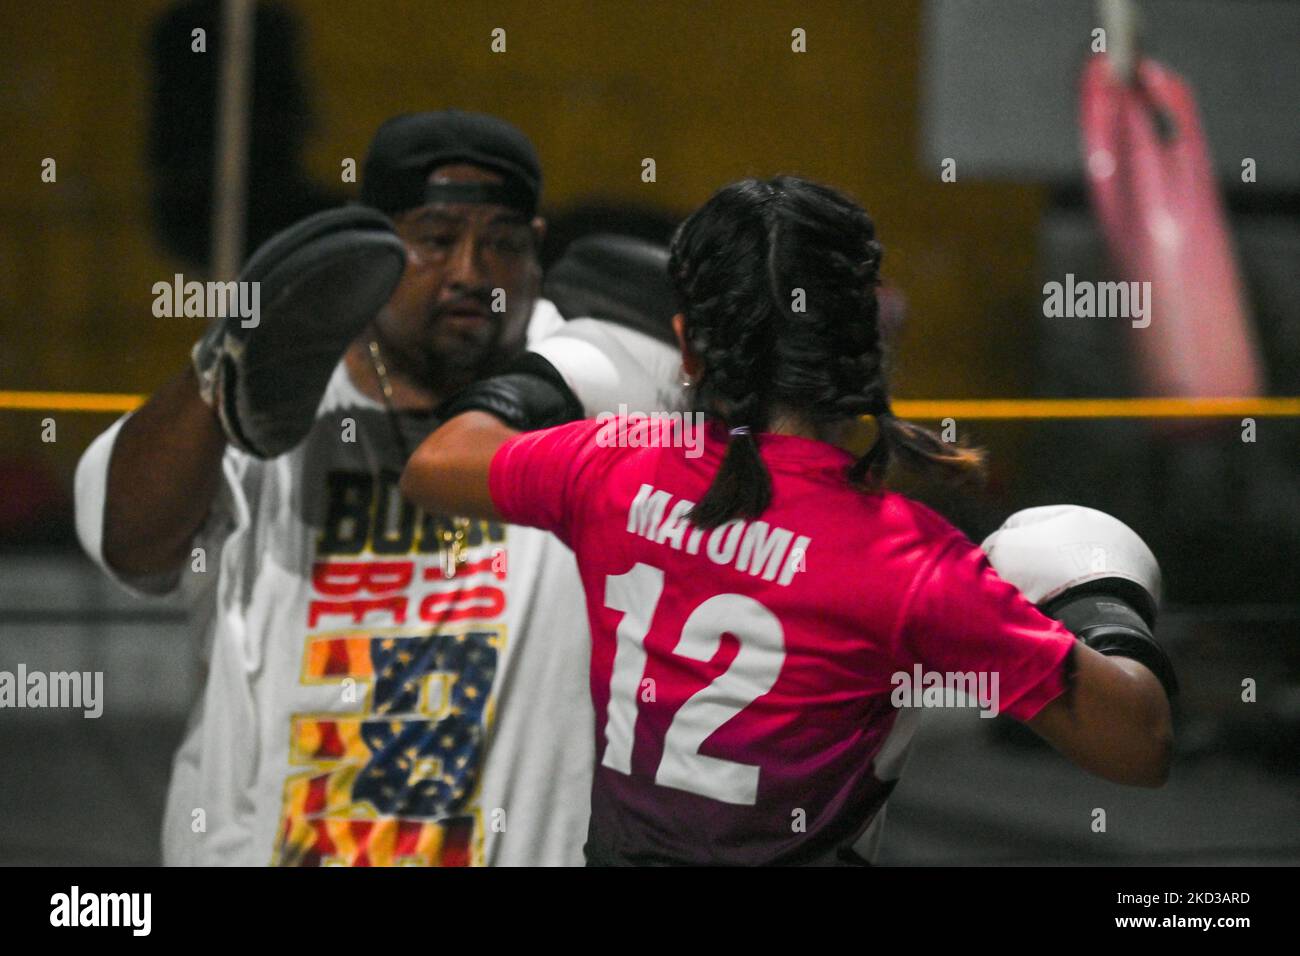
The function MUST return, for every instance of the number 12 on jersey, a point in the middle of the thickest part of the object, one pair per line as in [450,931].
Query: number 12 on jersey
[751,674]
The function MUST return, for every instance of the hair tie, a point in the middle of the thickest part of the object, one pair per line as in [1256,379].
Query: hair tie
[740,430]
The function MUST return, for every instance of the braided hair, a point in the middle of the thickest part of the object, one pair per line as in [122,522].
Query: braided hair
[777,282]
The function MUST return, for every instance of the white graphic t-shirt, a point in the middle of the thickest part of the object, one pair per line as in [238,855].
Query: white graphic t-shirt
[360,705]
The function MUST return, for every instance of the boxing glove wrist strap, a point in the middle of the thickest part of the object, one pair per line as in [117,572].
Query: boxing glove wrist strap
[529,395]
[1111,625]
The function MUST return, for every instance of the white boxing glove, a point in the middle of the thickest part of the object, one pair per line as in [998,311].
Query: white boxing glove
[1050,550]
[606,364]
[618,347]
[1091,572]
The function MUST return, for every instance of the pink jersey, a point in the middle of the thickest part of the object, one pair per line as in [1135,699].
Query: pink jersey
[746,679]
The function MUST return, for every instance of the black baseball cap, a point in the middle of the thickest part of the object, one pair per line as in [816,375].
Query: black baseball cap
[408,147]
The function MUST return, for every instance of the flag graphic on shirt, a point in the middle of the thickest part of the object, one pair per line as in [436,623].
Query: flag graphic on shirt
[393,784]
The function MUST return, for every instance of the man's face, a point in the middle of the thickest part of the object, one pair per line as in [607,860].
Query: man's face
[440,321]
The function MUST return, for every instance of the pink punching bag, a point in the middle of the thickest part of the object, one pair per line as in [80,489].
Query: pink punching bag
[1155,197]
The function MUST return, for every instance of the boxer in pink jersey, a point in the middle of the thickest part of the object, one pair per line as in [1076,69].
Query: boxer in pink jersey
[757,598]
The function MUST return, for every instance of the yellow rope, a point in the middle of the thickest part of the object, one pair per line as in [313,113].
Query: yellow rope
[1023,408]
[69,401]
[926,409]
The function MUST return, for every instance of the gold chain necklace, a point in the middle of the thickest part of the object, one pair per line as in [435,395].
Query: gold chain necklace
[455,540]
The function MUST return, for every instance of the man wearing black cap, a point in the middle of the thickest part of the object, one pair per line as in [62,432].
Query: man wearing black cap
[444,177]
[367,697]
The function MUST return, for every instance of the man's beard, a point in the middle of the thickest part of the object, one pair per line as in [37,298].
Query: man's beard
[452,347]
[447,356]
[455,357]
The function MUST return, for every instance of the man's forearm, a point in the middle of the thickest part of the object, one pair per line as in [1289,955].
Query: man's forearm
[163,475]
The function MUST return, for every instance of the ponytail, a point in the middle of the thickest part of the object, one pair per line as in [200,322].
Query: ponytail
[742,488]
[920,450]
